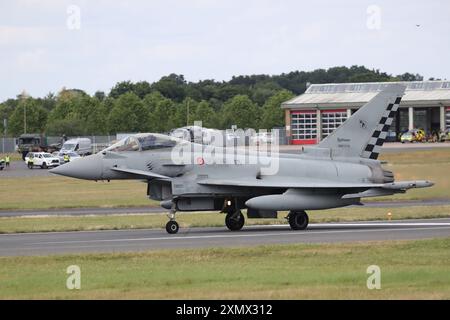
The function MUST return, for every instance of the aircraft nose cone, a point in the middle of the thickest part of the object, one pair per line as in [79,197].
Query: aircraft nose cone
[89,168]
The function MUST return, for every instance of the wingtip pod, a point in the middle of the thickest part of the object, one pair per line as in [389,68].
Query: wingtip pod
[404,185]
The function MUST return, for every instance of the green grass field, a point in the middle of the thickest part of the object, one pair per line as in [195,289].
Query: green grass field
[409,270]
[186,220]
[32,193]
[59,192]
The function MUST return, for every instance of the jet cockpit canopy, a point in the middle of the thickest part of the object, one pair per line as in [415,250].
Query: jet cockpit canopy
[144,142]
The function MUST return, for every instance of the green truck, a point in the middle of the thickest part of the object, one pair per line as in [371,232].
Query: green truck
[35,142]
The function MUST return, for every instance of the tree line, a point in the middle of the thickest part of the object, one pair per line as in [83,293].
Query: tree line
[246,101]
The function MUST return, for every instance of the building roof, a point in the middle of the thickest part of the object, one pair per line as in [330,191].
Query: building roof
[427,93]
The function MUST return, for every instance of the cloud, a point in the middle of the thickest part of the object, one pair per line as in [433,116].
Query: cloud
[33,61]
[11,36]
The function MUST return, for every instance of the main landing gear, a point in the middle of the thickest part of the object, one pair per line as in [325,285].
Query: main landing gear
[235,220]
[298,220]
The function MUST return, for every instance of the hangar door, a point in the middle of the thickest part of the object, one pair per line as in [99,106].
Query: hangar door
[447,118]
[304,127]
[304,124]
[331,120]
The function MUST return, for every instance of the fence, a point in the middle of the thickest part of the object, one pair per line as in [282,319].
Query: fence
[9,145]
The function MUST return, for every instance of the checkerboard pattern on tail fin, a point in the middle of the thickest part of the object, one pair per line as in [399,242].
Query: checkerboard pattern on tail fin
[373,148]
[363,134]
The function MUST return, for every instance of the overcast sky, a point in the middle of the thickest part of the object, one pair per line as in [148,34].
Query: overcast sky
[91,45]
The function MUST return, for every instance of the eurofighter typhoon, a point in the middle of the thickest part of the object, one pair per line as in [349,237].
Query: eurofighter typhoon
[186,176]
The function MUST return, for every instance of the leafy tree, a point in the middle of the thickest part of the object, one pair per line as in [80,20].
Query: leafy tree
[121,88]
[128,114]
[409,77]
[142,88]
[172,87]
[69,127]
[96,121]
[263,91]
[36,117]
[48,102]
[205,113]
[240,111]
[272,114]
[100,95]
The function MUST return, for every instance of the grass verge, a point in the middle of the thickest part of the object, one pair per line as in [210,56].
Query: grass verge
[409,270]
[58,192]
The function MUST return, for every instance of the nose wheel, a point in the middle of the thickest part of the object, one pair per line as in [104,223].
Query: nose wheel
[172,226]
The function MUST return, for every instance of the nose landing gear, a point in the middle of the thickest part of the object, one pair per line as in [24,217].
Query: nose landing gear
[172,226]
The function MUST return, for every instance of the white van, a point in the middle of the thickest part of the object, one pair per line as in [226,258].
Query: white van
[81,146]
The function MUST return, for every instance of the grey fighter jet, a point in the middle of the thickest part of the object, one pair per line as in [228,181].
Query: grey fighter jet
[185,176]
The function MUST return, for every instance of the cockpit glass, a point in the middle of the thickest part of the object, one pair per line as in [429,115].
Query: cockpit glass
[143,142]
[127,144]
[152,142]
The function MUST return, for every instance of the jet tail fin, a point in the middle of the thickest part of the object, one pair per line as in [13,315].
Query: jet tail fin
[363,134]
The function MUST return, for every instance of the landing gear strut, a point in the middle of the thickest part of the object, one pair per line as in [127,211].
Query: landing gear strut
[172,226]
[298,220]
[235,220]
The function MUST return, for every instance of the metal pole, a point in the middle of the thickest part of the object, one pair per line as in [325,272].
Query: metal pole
[24,117]
[187,116]
[5,123]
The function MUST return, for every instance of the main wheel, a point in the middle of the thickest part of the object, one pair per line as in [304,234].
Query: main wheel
[44,166]
[298,220]
[234,221]
[172,227]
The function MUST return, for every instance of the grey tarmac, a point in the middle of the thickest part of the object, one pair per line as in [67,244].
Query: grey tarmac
[194,238]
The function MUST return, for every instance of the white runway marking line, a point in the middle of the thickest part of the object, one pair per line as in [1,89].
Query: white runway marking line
[364,224]
[331,224]
[238,235]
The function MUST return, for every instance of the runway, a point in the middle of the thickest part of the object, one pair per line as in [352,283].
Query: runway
[159,210]
[156,239]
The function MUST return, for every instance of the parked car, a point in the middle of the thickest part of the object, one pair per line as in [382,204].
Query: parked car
[415,135]
[41,159]
[444,136]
